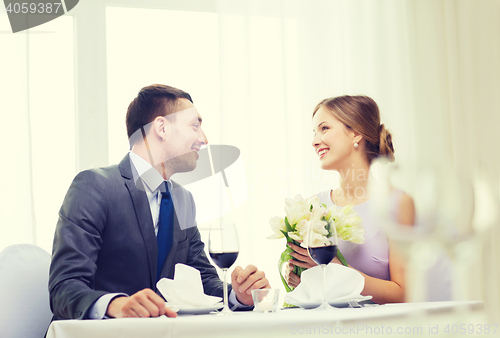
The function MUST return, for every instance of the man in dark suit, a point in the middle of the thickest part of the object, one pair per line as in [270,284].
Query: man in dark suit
[105,252]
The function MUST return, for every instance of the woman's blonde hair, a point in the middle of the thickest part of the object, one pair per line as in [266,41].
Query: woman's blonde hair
[360,113]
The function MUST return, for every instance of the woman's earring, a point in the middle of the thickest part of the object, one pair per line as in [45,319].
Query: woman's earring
[356,144]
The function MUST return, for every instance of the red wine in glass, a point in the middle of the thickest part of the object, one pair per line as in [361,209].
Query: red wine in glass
[223,248]
[323,254]
[224,260]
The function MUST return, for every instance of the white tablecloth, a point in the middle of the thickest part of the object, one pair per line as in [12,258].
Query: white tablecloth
[405,320]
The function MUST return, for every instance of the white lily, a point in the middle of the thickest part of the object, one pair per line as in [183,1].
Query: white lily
[296,209]
[277,225]
[301,229]
[318,212]
[315,239]
[348,225]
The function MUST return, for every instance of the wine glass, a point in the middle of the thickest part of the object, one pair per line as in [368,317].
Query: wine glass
[223,247]
[322,249]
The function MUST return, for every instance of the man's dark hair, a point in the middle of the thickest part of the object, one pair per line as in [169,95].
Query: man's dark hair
[151,102]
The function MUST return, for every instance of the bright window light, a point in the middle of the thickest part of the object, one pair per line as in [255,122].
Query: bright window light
[148,46]
[38,112]
[52,112]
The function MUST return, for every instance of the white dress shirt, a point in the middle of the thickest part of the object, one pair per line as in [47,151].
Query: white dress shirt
[152,181]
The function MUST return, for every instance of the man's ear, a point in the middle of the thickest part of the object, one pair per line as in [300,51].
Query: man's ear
[160,126]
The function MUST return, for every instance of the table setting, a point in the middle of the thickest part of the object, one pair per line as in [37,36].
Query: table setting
[326,286]
[200,314]
[343,289]
[318,307]
[184,294]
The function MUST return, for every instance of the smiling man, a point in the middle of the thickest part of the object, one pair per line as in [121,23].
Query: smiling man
[124,227]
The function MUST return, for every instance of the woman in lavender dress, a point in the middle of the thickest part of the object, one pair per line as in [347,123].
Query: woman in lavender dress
[348,136]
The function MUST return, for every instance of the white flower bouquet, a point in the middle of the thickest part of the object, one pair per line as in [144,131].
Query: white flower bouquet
[300,214]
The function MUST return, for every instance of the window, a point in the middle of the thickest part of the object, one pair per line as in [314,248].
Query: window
[147,46]
[38,108]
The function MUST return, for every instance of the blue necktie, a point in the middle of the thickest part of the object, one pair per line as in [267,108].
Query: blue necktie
[165,227]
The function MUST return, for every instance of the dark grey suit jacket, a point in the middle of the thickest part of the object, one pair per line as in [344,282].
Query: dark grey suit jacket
[105,242]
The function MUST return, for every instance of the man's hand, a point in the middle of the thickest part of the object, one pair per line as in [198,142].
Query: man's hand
[145,303]
[244,281]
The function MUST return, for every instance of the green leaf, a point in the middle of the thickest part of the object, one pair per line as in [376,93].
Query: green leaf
[288,226]
[285,255]
[285,234]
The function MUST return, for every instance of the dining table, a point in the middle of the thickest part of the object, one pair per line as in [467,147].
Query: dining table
[431,319]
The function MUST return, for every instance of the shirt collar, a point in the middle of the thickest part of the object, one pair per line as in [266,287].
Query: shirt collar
[149,175]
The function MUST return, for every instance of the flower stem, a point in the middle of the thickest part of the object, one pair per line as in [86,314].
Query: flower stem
[341,258]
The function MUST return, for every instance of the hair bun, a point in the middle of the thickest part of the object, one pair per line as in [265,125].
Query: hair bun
[386,149]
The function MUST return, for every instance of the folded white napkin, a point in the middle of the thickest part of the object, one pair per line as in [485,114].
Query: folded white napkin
[185,291]
[342,284]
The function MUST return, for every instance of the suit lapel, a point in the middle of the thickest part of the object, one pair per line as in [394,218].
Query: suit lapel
[143,214]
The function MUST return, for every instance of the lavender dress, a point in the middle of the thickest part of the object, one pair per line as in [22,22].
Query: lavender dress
[371,257]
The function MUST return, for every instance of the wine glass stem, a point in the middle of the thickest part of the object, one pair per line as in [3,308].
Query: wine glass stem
[324,304]
[323,267]
[226,306]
